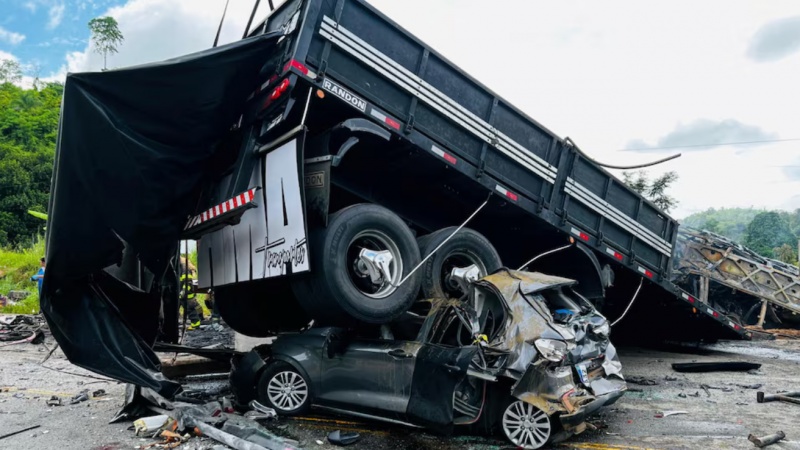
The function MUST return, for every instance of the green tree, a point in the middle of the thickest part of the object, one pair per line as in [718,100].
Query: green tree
[655,190]
[28,128]
[10,71]
[713,225]
[785,253]
[766,232]
[106,36]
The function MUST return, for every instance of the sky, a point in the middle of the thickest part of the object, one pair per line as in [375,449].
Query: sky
[623,78]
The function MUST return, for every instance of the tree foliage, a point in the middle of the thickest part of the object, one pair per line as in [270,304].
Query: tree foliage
[28,129]
[767,232]
[729,222]
[106,36]
[654,190]
[10,71]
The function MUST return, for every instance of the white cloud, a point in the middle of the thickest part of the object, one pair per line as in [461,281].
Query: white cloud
[55,15]
[602,73]
[11,37]
[6,55]
[30,6]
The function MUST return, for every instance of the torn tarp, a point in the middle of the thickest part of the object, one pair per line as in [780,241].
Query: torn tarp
[135,145]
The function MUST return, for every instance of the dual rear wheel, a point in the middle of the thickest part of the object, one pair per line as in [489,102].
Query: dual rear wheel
[362,263]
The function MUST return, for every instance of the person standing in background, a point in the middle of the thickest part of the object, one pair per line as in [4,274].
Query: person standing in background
[39,277]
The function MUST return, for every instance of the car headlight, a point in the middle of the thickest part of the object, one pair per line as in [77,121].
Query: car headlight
[602,330]
[552,350]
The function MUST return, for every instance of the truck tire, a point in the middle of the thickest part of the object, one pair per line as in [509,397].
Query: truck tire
[466,248]
[339,290]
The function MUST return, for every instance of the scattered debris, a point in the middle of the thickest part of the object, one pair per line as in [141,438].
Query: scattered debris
[82,397]
[153,423]
[54,401]
[669,378]
[766,440]
[641,380]
[343,438]
[682,395]
[663,414]
[749,386]
[19,431]
[788,397]
[705,388]
[696,394]
[99,393]
[719,388]
[725,366]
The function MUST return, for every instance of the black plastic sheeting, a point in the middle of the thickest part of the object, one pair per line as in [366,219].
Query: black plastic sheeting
[134,149]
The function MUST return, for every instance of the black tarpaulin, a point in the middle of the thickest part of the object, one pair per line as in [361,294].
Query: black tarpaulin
[134,148]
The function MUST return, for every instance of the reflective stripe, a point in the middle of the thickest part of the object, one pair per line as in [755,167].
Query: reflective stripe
[607,210]
[434,98]
[223,208]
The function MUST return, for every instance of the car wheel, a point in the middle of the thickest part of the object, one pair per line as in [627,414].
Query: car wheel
[284,389]
[465,248]
[525,425]
[341,288]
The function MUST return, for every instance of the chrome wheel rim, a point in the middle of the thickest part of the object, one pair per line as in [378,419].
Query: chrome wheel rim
[460,260]
[287,391]
[525,425]
[377,241]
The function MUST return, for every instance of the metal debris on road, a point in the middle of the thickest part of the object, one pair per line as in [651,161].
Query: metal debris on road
[19,431]
[641,380]
[99,393]
[788,397]
[724,366]
[761,442]
[719,388]
[54,401]
[82,397]
[663,414]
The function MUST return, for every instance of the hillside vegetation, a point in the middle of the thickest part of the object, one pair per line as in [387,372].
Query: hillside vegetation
[773,234]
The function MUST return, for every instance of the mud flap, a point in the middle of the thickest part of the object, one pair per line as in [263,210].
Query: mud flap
[438,371]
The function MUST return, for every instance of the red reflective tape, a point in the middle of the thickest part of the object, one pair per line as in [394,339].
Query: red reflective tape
[205,216]
[450,158]
[247,197]
[736,327]
[392,123]
[618,256]
[512,195]
[648,274]
[297,65]
[584,236]
[715,314]
[237,202]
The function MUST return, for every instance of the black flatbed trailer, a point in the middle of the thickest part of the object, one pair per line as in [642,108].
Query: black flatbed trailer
[430,144]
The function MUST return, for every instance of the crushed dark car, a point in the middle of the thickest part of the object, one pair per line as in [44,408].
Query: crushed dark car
[523,354]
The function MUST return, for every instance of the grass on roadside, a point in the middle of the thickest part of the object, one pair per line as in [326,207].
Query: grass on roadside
[16,269]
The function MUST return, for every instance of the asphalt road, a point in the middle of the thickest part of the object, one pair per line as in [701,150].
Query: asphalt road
[720,416]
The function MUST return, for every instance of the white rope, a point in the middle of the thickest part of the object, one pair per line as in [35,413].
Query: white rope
[440,245]
[544,254]
[641,280]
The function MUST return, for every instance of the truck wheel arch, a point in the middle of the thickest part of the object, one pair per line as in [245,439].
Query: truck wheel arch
[579,263]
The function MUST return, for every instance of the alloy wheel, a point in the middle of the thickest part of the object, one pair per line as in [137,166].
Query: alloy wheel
[287,390]
[526,425]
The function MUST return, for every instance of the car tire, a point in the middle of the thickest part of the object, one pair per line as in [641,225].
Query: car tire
[525,425]
[338,291]
[284,389]
[465,248]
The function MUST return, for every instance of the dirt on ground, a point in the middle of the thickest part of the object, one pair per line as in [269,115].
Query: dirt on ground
[662,410]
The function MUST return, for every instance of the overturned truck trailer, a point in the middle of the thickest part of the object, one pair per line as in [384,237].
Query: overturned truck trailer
[332,167]
[734,279]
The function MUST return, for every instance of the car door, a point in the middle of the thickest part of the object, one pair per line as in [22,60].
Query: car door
[371,376]
[438,370]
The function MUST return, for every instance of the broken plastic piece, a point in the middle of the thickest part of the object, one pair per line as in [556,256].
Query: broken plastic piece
[149,423]
[54,401]
[339,437]
[98,393]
